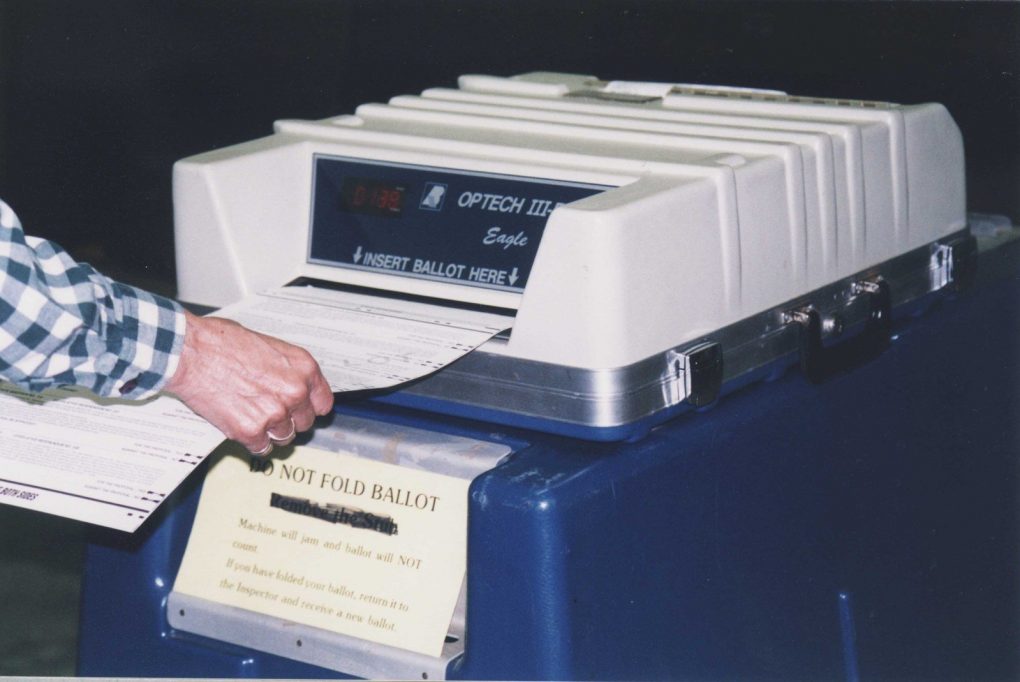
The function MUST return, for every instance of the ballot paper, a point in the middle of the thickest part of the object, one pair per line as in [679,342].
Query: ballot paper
[112,462]
[366,342]
[104,461]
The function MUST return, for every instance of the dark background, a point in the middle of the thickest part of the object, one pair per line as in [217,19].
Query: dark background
[99,98]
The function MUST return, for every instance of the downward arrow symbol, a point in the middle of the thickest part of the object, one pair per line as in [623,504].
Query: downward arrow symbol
[513,277]
[357,254]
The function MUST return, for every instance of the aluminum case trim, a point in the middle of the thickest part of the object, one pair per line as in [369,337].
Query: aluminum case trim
[609,398]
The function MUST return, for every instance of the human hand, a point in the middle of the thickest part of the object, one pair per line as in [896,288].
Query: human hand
[256,389]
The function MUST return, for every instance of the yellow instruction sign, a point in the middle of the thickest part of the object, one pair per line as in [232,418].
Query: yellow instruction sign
[334,541]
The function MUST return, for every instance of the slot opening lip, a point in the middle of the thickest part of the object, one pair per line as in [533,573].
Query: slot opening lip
[305,281]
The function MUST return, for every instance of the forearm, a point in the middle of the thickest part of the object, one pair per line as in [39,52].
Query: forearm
[63,323]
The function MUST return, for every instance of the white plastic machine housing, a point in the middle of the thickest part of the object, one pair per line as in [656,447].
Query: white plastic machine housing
[723,209]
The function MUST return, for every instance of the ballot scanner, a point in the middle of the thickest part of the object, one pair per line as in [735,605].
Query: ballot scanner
[654,243]
[658,247]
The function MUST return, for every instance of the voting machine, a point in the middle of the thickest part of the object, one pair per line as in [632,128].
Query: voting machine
[657,246]
[654,243]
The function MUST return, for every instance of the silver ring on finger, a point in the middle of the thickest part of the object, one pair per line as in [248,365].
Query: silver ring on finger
[264,451]
[283,439]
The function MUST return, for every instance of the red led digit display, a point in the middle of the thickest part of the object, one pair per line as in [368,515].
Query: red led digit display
[359,195]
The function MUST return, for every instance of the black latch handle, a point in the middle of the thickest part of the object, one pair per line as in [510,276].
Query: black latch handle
[819,362]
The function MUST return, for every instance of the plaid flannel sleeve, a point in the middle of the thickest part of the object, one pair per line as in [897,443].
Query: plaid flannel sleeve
[63,323]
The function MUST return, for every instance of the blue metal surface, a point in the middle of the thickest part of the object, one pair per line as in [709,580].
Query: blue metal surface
[718,546]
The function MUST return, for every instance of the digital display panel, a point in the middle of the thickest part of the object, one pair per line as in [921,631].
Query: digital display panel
[372,197]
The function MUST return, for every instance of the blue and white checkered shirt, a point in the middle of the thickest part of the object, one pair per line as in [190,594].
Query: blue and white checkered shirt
[63,323]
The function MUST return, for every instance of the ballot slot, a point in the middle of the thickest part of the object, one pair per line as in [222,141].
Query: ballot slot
[268,577]
[404,296]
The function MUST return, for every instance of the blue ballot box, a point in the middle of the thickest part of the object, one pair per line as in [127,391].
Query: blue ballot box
[861,527]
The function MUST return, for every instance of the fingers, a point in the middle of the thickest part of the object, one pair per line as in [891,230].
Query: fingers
[303,418]
[282,434]
[316,391]
[255,423]
[262,452]
[321,396]
[279,417]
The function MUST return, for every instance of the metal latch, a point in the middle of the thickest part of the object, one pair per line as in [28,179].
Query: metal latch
[953,262]
[700,368]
